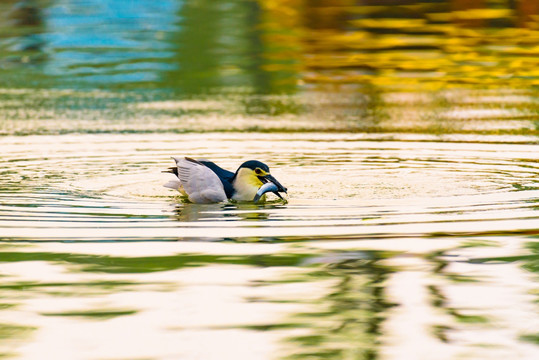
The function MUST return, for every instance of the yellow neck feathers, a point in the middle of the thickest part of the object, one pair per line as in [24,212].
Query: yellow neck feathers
[246,185]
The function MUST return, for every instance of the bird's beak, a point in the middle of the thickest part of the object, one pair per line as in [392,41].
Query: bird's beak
[268,177]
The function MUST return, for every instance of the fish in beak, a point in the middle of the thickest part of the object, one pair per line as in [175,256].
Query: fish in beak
[270,185]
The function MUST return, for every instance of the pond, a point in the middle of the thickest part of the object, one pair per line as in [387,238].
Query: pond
[405,132]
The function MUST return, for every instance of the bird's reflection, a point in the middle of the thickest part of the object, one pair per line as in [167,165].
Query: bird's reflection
[185,211]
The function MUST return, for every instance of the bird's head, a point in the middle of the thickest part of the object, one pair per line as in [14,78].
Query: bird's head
[257,172]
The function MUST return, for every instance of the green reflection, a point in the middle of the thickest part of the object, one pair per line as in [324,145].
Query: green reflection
[437,297]
[94,314]
[529,262]
[440,332]
[109,286]
[469,319]
[13,332]
[348,325]
[346,322]
[8,331]
[533,338]
[111,264]
[4,306]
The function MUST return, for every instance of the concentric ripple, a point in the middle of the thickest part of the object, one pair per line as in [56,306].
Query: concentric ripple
[108,188]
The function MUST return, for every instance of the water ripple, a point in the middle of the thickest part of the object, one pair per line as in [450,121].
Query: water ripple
[109,189]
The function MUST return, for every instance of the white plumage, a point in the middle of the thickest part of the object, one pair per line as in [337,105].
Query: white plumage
[198,182]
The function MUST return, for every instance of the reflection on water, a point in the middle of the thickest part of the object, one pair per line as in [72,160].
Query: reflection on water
[406,132]
[271,46]
[346,322]
[109,42]
[384,248]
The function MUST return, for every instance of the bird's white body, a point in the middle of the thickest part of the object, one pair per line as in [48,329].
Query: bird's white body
[198,182]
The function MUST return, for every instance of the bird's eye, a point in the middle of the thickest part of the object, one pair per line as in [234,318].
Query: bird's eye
[258,172]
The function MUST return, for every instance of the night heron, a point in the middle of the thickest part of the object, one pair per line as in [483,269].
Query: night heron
[203,181]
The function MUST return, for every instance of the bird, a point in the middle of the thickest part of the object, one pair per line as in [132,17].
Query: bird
[204,182]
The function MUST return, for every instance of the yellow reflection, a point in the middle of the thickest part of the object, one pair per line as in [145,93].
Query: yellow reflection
[464,43]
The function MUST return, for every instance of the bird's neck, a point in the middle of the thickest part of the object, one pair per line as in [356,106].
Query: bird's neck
[246,184]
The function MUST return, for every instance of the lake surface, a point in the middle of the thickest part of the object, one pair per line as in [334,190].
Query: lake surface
[406,136]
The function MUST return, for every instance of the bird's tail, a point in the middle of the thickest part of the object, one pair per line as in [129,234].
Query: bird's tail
[174,185]
[171,170]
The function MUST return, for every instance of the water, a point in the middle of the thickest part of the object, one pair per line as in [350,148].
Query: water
[97,254]
[407,140]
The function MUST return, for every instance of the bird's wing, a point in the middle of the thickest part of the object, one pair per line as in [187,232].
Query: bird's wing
[200,183]
[224,175]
